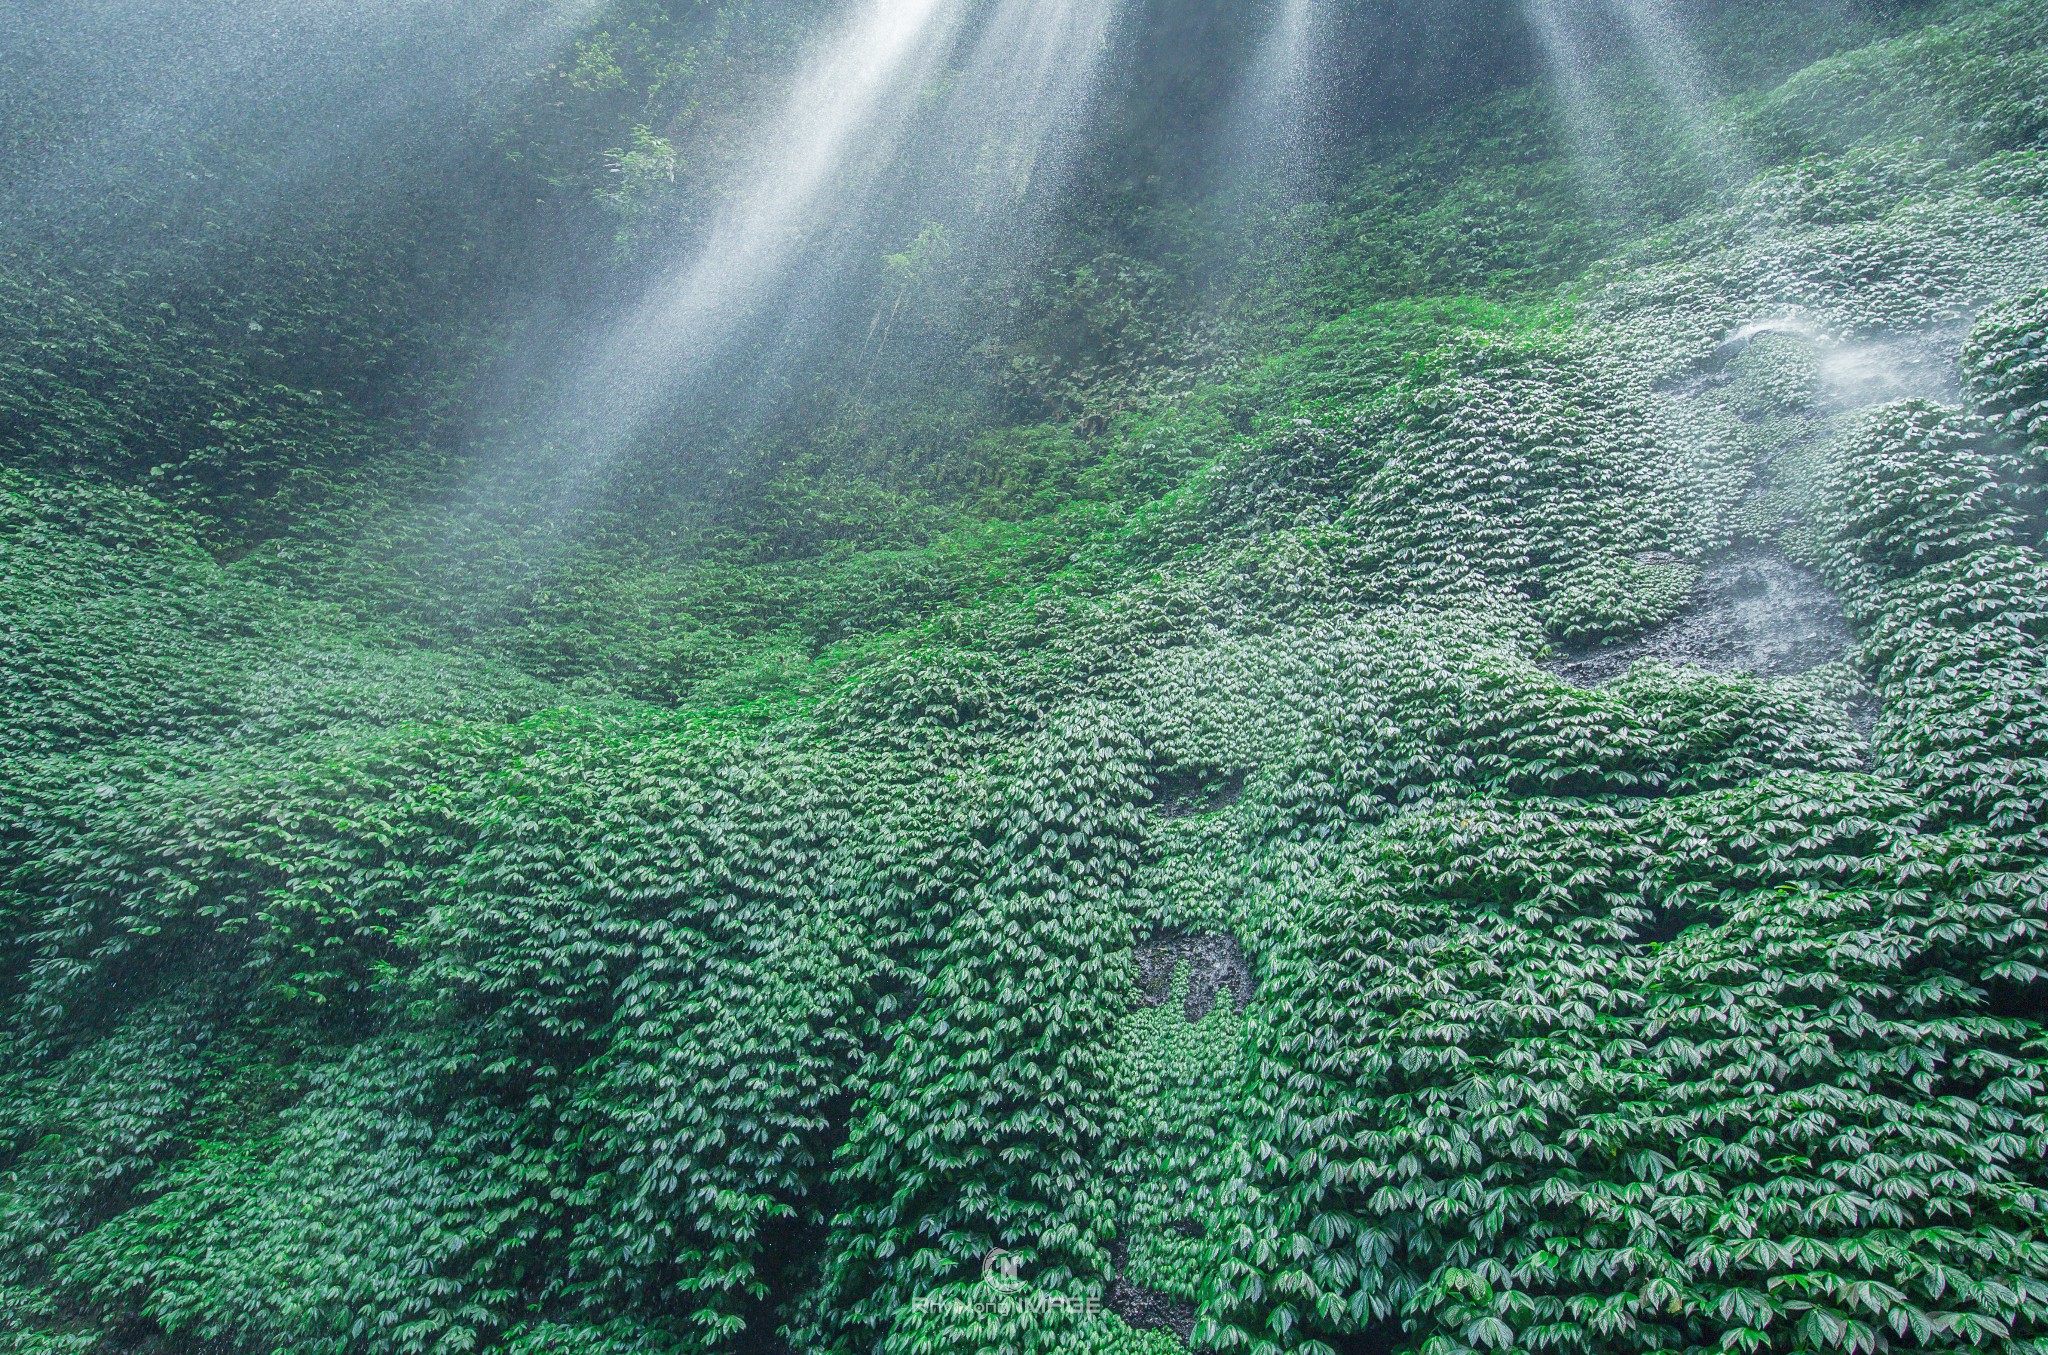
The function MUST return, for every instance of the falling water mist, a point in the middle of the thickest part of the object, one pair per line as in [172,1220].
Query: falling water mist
[132,112]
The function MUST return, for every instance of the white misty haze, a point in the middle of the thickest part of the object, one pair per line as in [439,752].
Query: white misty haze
[294,97]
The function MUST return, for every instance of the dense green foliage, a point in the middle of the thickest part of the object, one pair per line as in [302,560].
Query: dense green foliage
[719,926]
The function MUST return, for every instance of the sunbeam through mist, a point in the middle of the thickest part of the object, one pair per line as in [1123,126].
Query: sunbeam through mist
[916,114]
[1659,40]
[823,151]
[1594,50]
[1271,127]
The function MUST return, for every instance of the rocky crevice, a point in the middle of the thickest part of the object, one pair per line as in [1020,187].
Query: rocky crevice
[1215,964]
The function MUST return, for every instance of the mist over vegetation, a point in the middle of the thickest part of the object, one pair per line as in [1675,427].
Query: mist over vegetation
[993,677]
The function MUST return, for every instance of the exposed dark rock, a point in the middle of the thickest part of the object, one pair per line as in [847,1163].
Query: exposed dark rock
[1147,1309]
[1182,794]
[1753,613]
[1214,964]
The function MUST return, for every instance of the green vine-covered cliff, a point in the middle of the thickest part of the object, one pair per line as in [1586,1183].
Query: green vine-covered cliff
[1445,751]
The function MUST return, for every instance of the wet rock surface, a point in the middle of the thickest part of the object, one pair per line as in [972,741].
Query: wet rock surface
[1752,613]
[1186,794]
[1215,964]
[1147,1309]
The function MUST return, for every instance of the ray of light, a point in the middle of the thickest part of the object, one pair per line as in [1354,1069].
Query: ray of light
[1681,74]
[832,137]
[940,114]
[1271,124]
[1556,25]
